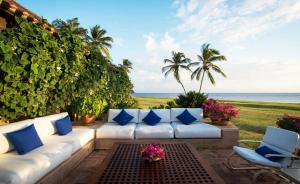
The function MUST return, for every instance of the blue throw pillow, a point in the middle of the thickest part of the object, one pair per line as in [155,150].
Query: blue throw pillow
[63,126]
[25,140]
[123,118]
[152,118]
[186,117]
[264,150]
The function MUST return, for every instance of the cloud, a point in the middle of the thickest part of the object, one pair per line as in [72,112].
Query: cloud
[119,41]
[166,44]
[217,19]
[150,43]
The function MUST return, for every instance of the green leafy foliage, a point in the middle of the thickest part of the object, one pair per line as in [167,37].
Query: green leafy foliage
[120,88]
[36,73]
[192,99]
[41,74]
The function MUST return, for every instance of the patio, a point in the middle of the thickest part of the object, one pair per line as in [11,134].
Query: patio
[85,170]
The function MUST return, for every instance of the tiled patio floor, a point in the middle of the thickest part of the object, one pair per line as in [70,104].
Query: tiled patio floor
[87,168]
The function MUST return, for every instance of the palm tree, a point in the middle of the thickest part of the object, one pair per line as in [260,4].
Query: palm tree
[178,61]
[127,65]
[100,40]
[207,64]
[70,26]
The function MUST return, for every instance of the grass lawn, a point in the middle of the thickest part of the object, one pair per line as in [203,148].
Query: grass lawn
[254,116]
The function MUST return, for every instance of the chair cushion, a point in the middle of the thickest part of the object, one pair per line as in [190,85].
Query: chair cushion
[112,113]
[123,118]
[254,157]
[25,140]
[186,118]
[31,167]
[77,138]
[152,118]
[164,114]
[281,138]
[63,126]
[116,131]
[196,130]
[264,150]
[196,112]
[159,131]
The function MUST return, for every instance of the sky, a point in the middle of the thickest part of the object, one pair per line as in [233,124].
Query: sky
[260,39]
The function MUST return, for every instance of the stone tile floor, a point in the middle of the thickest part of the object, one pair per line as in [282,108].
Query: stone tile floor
[85,170]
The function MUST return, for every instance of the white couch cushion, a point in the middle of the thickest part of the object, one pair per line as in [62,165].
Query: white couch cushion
[158,131]
[112,113]
[252,156]
[196,130]
[196,112]
[77,138]
[116,131]
[29,168]
[164,114]
[45,126]
[5,145]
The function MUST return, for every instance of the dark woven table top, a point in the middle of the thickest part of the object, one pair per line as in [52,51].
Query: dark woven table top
[182,164]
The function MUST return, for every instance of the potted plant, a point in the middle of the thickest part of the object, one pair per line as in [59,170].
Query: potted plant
[219,112]
[89,108]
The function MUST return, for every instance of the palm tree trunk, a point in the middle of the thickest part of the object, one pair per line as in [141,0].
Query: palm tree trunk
[182,86]
[201,82]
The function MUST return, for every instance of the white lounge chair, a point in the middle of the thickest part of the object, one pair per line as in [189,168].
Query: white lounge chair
[280,140]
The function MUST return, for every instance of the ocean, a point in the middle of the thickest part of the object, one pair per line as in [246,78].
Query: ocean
[263,97]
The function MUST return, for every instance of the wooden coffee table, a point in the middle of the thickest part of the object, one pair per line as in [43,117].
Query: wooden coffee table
[182,164]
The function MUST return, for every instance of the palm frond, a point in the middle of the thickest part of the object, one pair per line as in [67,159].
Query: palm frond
[168,61]
[217,58]
[199,73]
[168,72]
[194,73]
[211,78]
[193,64]
[166,68]
[218,70]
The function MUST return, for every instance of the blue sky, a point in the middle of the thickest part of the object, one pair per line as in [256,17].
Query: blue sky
[260,38]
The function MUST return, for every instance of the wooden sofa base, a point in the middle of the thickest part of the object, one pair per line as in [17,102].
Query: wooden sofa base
[57,175]
[229,138]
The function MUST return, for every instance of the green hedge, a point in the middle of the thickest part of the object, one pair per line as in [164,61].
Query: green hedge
[41,74]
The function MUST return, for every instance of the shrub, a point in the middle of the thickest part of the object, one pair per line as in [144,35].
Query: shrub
[289,123]
[219,111]
[37,71]
[170,104]
[191,100]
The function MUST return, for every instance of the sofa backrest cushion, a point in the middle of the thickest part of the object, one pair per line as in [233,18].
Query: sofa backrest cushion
[196,112]
[112,113]
[5,145]
[45,126]
[164,114]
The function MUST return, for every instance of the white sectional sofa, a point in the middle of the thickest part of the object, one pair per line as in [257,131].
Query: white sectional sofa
[48,163]
[169,128]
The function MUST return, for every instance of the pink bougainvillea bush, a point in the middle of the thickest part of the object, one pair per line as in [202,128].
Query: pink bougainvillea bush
[219,111]
[153,152]
[289,122]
